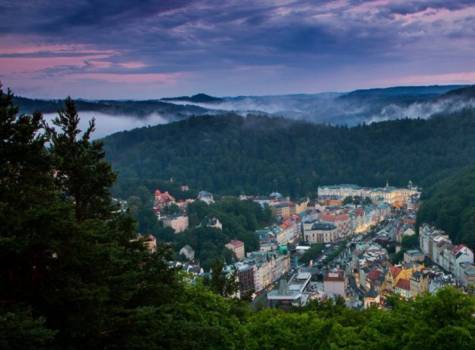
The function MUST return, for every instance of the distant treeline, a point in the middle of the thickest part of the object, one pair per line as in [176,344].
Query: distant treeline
[232,154]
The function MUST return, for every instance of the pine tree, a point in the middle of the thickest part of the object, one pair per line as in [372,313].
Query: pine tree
[81,169]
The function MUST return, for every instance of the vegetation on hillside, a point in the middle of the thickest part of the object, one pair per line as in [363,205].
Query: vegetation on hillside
[240,219]
[231,154]
[450,205]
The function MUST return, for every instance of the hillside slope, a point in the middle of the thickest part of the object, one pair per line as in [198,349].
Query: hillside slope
[450,205]
[232,154]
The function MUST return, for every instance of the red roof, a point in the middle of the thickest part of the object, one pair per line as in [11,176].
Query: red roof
[395,270]
[457,248]
[404,284]
[334,217]
[374,274]
[236,244]
[163,197]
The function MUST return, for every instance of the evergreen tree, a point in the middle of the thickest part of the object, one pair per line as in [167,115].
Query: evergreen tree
[81,169]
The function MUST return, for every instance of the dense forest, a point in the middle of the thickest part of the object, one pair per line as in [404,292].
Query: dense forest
[73,274]
[231,154]
[450,205]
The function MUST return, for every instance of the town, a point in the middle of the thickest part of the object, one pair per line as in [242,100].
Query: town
[356,243]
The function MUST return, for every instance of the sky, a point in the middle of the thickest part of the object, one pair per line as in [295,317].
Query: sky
[147,49]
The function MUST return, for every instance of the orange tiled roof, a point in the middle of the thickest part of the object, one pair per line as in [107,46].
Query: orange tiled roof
[404,284]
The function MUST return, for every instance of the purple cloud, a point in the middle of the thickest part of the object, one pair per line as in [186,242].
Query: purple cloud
[162,48]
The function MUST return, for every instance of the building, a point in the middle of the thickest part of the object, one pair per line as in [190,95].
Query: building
[214,223]
[188,252]
[267,268]
[291,293]
[467,275]
[396,197]
[206,197]
[161,200]
[413,256]
[178,223]
[151,243]
[371,298]
[342,222]
[245,274]
[419,283]
[290,230]
[438,247]
[321,232]
[403,288]
[334,284]
[237,247]
[301,205]
[283,209]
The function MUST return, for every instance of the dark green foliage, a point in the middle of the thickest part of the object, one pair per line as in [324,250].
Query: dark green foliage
[63,254]
[81,171]
[231,154]
[20,331]
[410,242]
[450,205]
[311,254]
[221,283]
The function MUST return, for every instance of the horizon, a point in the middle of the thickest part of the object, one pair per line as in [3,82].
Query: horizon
[160,98]
[111,50]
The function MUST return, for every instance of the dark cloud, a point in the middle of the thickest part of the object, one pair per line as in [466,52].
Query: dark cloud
[206,37]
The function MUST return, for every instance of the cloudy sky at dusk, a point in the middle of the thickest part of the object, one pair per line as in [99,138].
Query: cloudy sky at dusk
[150,49]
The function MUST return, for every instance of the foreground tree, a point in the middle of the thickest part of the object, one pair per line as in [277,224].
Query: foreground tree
[81,170]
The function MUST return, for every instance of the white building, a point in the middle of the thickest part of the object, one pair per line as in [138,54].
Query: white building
[206,197]
[334,284]
[438,247]
[321,232]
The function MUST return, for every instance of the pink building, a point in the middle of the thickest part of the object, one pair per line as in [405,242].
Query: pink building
[162,199]
[237,247]
[178,223]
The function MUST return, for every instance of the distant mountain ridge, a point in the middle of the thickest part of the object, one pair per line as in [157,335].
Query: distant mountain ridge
[352,108]
[198,98]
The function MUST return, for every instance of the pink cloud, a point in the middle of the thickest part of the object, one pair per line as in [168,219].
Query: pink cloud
[162,78]
[10,65]
[431,15]
[444,78]
[132,65]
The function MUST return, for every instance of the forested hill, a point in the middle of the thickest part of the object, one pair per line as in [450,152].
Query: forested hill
[450,204]
[232,154]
